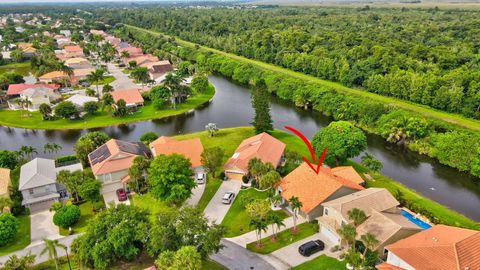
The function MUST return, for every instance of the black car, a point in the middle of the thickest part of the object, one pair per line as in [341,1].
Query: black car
[311,247]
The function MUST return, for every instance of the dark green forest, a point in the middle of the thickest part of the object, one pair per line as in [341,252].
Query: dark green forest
[429,57]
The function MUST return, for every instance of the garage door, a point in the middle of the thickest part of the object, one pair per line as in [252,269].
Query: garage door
[234,176]
[332,237]
[41,206]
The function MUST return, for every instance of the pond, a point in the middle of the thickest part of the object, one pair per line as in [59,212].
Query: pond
[231,107]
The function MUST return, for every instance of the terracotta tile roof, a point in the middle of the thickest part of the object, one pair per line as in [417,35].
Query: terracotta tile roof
[98,32]
[4,181]
[82,71]
[53,75]
[23,46]
[349,173]
[313,189]
[133,51]
[142,59]
[73,49]
[191,148]
[130,96]
[367,200]
[441,248]
[17,89]
[115,155]
[29,50]
[387,266]
[262,146]
[76,60]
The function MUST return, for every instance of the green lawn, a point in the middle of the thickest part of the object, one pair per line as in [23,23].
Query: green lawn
[20,68]
[106,80]
[86,213]
[22,239]
[211,188]
[284,238]
[212,265]
[147,202]
[410,106]
[322,263]
[237,220]
[101,118]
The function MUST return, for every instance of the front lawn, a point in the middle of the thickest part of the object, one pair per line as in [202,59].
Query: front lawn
[86,213]
[211,188]
[284,238]
[322,262]
[101,118]
[106,80]
[22,239]
[237,220]
[147,202]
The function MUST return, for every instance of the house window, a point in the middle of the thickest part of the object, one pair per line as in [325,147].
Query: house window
[326,212]
[30,191]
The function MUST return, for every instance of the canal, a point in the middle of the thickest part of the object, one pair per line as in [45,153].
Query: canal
[231,107]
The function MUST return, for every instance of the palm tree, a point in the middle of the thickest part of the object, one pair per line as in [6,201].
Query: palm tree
[276,221]
[51,148]
[5,203]
[24,262]
[173,83]
[27,151]
[51,247]
[348,233]
[67,70]
[125,54]
[140,74]
[259,225]
[370,241]
[357,216]
[295,204]
[95,77]
[45,110]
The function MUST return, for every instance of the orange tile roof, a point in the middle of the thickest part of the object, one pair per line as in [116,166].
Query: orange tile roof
[114,156]
[387,266]
[23,46]
[73,49]
[130,96]
[262,146]
[441,248]
[313,189]
[348,172]
[142,59]
[191,148]
[53,75]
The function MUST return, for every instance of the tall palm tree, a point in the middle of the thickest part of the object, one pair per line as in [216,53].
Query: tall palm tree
[259,225]
[348,233]
[24,262]
[140,74]
[67,70]
[370,241]
[51,247]
[295,204]
[357,216]
[276,221]
[27,151]
[51,148]
[95,77]
[173,83]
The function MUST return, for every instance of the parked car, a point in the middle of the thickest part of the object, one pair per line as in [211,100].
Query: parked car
[121,194]
[200,177]
[228,197]
[85,84]
[311,247]
[65,90]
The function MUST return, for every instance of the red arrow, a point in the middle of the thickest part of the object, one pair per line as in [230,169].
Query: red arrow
[310,148]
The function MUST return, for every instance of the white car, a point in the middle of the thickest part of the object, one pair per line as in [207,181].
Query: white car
[200,178]
[228,197]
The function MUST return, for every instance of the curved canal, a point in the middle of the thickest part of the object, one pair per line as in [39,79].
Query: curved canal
[231,107]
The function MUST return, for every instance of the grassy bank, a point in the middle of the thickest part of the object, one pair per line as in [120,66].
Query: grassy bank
[101,118]
[22,68]
[413,107]
[322,262]
[284,238]
[22,239]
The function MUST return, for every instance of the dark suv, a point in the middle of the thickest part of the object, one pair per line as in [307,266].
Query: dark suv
[311,247]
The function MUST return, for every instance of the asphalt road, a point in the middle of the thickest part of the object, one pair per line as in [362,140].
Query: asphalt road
[235,257]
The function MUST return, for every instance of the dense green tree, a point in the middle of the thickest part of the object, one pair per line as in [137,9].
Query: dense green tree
[200,83]
[212,158]
[71,181]
[88,143]
[8,228]
[186,258]
[342,140]
[66,216]
[169,178]
[269,180]
[137,171]
[91,107]
[121,108]
[262,121]
[148,137]
[89,190]
[8,159]
[66,109]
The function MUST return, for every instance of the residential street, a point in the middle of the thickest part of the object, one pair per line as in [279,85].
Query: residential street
[216,210]
[122,81]
[235,257]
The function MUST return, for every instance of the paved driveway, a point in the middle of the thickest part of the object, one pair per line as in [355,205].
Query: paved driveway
[235,257]
[122,81]
[290,255]
[197,193]
[216,210]
[42,227]
[109,197]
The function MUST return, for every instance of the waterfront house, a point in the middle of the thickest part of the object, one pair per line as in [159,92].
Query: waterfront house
[262,146]
[158,69]
[39,186]
[313,189]
[190,148]
[132,97]
[36,96]
[141,60]
[110,163]
[441,248]
[79,100]
[4,183]
[14,90]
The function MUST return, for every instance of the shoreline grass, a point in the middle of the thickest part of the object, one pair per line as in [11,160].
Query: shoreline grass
[102,118]
[452,118]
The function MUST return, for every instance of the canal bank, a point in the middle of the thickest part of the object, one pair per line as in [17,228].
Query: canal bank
[231,107]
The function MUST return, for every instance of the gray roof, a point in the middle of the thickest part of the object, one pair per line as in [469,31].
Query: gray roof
[36,173]
[38,92]
[80,100]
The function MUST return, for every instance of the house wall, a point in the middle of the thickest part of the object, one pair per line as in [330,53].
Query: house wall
[112,181]
[397,261]
[39,191]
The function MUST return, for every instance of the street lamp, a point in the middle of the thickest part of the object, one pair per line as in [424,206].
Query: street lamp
[68,259]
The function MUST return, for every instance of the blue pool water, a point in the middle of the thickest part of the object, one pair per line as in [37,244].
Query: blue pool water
[415,220]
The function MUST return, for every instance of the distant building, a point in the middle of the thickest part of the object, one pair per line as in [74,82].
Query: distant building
[190,148]
[132,97]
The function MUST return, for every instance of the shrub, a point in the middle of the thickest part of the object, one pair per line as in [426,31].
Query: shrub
[222,175]
[245,179]
[148,137]
[8,228]
[66,216]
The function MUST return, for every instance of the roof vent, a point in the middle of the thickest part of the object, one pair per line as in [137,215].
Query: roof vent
[434,239]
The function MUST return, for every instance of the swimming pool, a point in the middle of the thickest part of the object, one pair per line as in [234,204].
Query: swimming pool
[415,220]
